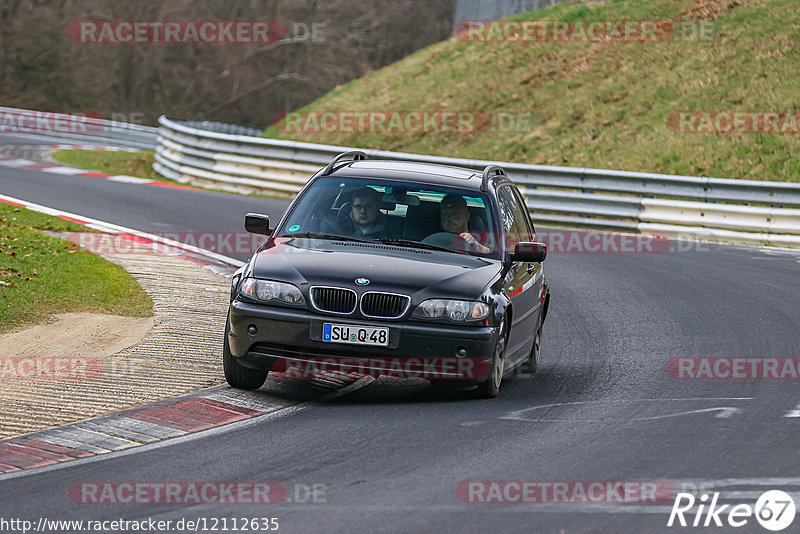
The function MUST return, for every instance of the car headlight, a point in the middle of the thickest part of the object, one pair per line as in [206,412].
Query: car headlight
[267,290]
[455,310]
[235,285]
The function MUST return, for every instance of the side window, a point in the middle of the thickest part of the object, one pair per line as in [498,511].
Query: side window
[508,213]
[525,229]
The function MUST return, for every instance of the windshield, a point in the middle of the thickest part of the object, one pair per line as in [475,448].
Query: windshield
[393,212]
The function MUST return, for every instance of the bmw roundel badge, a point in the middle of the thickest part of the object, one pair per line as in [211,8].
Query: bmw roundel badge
[362,281]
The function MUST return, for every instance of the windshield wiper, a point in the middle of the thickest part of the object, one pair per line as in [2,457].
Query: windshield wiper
[332,237]
[417,244]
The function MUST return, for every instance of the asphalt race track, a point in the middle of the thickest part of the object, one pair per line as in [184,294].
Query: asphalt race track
[158,210]
[390,457]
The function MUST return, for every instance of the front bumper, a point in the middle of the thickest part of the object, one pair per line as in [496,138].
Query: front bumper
[290,340]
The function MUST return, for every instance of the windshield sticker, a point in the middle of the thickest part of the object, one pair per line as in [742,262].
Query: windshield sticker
[294,228]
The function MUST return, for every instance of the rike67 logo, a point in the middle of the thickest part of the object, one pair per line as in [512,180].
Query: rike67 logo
[774,510]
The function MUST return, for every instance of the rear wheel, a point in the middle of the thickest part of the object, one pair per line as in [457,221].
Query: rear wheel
[236,374]
[491,387]
[531,365]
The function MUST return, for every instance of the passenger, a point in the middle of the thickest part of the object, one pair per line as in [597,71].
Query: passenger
[454,219]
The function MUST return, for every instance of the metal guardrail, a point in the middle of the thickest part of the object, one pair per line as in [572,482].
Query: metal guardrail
[60,127]
[223,127]
[495,9]
[230,157]
[745,211]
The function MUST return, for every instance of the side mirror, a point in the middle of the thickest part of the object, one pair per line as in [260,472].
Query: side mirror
[255,223]
[529,251]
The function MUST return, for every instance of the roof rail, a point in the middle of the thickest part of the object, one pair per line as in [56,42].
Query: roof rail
[488,172]
[356,155]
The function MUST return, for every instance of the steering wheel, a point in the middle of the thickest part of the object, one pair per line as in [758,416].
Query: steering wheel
[447,240]
[456,242]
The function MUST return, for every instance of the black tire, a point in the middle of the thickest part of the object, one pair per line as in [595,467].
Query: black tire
[531,365]
[441,386]
[237,375]
[491,387]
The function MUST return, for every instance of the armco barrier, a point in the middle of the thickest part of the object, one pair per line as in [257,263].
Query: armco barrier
[231,157]
[43,125]
[741,211]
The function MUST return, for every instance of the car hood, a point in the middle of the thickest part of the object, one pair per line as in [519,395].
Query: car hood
[415,272]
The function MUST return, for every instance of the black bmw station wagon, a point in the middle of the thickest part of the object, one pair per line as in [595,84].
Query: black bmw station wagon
[392,268]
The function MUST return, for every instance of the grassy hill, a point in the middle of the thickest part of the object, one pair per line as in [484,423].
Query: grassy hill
[601,104]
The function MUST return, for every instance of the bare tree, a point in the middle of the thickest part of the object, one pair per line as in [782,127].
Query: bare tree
[246,83]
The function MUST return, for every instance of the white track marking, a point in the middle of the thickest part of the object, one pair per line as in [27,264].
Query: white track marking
[18,162]
[63,170]
[794,413]
[128,179]
[724,411]
[115,228]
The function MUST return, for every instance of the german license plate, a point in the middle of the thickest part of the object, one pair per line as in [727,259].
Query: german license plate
[355,335]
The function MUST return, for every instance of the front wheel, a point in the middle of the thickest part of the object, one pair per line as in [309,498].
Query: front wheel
[491,387]
[237,375]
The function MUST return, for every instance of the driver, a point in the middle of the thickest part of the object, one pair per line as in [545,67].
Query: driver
[365,215]
[454,217]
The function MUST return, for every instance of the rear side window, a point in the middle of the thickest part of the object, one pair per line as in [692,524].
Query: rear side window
[509,213]
[527,231]
[520,212]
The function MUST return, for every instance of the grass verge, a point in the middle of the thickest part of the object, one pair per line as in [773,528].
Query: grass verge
[41,275]
[113,162]
[139,164]
[595,104]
